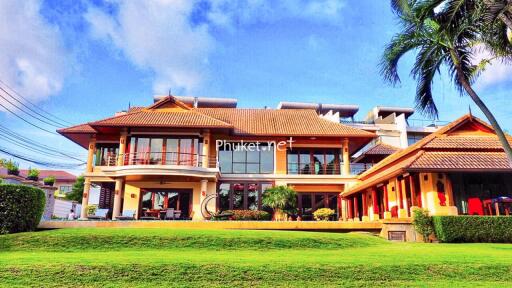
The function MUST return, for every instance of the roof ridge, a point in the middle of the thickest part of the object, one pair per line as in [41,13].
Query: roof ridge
[195,110]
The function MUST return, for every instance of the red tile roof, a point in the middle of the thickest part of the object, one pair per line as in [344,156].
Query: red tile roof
[150,118]
[441,151]
[78,129]
[58,174]
[382,149]
[170,112]
[277,122]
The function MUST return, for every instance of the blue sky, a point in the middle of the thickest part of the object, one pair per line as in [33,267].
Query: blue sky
[84,60]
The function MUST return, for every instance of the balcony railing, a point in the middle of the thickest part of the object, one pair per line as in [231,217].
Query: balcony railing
[358,168]
[327,169]
[162,158]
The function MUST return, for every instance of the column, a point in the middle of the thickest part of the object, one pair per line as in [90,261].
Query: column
[85,198]
[204,190]
[376,215]
[356,209]
[206,149]
[118,198]
[122,148]
[87,183]
[346,158]
[402,213]
[365,217]
[387,214]
[350,207]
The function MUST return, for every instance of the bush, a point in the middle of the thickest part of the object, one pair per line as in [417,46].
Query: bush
[323,214]
[91,209]
[282,200]
[454,229]
[33,174]
[49,181]
[422,223]
[21,208]
[12,167]
[249,215]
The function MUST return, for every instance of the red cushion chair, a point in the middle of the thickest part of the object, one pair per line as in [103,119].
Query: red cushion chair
[475,206]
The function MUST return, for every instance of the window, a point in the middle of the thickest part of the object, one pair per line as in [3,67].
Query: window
[65,188]
[317,161]
[235,159]
[241,195]
[106,154]
[413,138]
[165,151]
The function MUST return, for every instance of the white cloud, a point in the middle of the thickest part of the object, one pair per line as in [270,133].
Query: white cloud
[495,72]
[159,36]
[32,56]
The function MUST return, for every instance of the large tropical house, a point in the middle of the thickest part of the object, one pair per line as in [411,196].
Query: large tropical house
[176,152]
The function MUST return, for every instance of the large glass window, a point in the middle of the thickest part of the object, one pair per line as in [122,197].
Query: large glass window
[235,159]
[155,200]
[241,195]
[166,151]
[106,154]
[314,161]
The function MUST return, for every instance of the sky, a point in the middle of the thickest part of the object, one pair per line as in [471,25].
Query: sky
[84,60]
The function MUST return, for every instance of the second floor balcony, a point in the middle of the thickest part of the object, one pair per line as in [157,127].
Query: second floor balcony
[158,158]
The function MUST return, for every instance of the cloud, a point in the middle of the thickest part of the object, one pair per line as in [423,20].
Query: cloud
[495,72]
[32,57]
[162,36]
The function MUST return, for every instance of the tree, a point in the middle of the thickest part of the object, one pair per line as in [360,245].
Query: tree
[282,199]
[429,27]
[77,191]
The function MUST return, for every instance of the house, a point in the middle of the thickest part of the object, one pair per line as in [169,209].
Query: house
[63,180]
[176,152]
[459,169]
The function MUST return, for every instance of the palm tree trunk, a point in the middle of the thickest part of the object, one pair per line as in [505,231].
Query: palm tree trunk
[501,136]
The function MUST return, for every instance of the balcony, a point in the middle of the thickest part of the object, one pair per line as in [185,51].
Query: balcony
[327,169]
[159,163]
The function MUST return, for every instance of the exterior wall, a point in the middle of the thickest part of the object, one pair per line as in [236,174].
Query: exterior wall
[132,194]
[430,196]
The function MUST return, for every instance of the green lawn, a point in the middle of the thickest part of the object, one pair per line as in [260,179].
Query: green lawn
[228,258]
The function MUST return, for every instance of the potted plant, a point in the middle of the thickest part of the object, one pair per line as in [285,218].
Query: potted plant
[282,199]
[49,181]
[33,174]
[323,214]
[12,168]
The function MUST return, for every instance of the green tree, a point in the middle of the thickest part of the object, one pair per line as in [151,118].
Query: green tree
[282,199]
[428,27]
[77,191]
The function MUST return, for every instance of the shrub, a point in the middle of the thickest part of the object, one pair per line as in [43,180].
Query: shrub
[249,215]
[77,192]
[323,214]
[422,223]
[33,174]
[12,167]
[91,209]
[282,199]
[21,208]
[49,181]
[453,229]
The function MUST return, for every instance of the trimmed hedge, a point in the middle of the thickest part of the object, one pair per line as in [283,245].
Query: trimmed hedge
[249,215]
[457,229]
[21,208]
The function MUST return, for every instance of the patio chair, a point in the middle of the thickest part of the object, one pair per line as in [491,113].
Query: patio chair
[169,214]
[100,214]
[127,215]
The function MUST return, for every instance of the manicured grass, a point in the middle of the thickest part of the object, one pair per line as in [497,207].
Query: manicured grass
[229,258]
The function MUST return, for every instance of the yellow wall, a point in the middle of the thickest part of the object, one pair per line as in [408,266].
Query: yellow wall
[430,198]
[134,188]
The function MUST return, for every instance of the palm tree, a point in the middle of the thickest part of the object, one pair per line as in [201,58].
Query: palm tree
[282,199]
[439,43]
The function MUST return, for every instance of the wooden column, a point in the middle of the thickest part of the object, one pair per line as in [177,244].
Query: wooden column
[365,203]
[90,154]
[400,192]
[346,158]
[350,207]
[356,208]
[414,192]
[87,183]
[85,198]
[375,201]
[386,203]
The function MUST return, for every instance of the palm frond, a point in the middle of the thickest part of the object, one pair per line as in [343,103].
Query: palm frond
[399,46]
